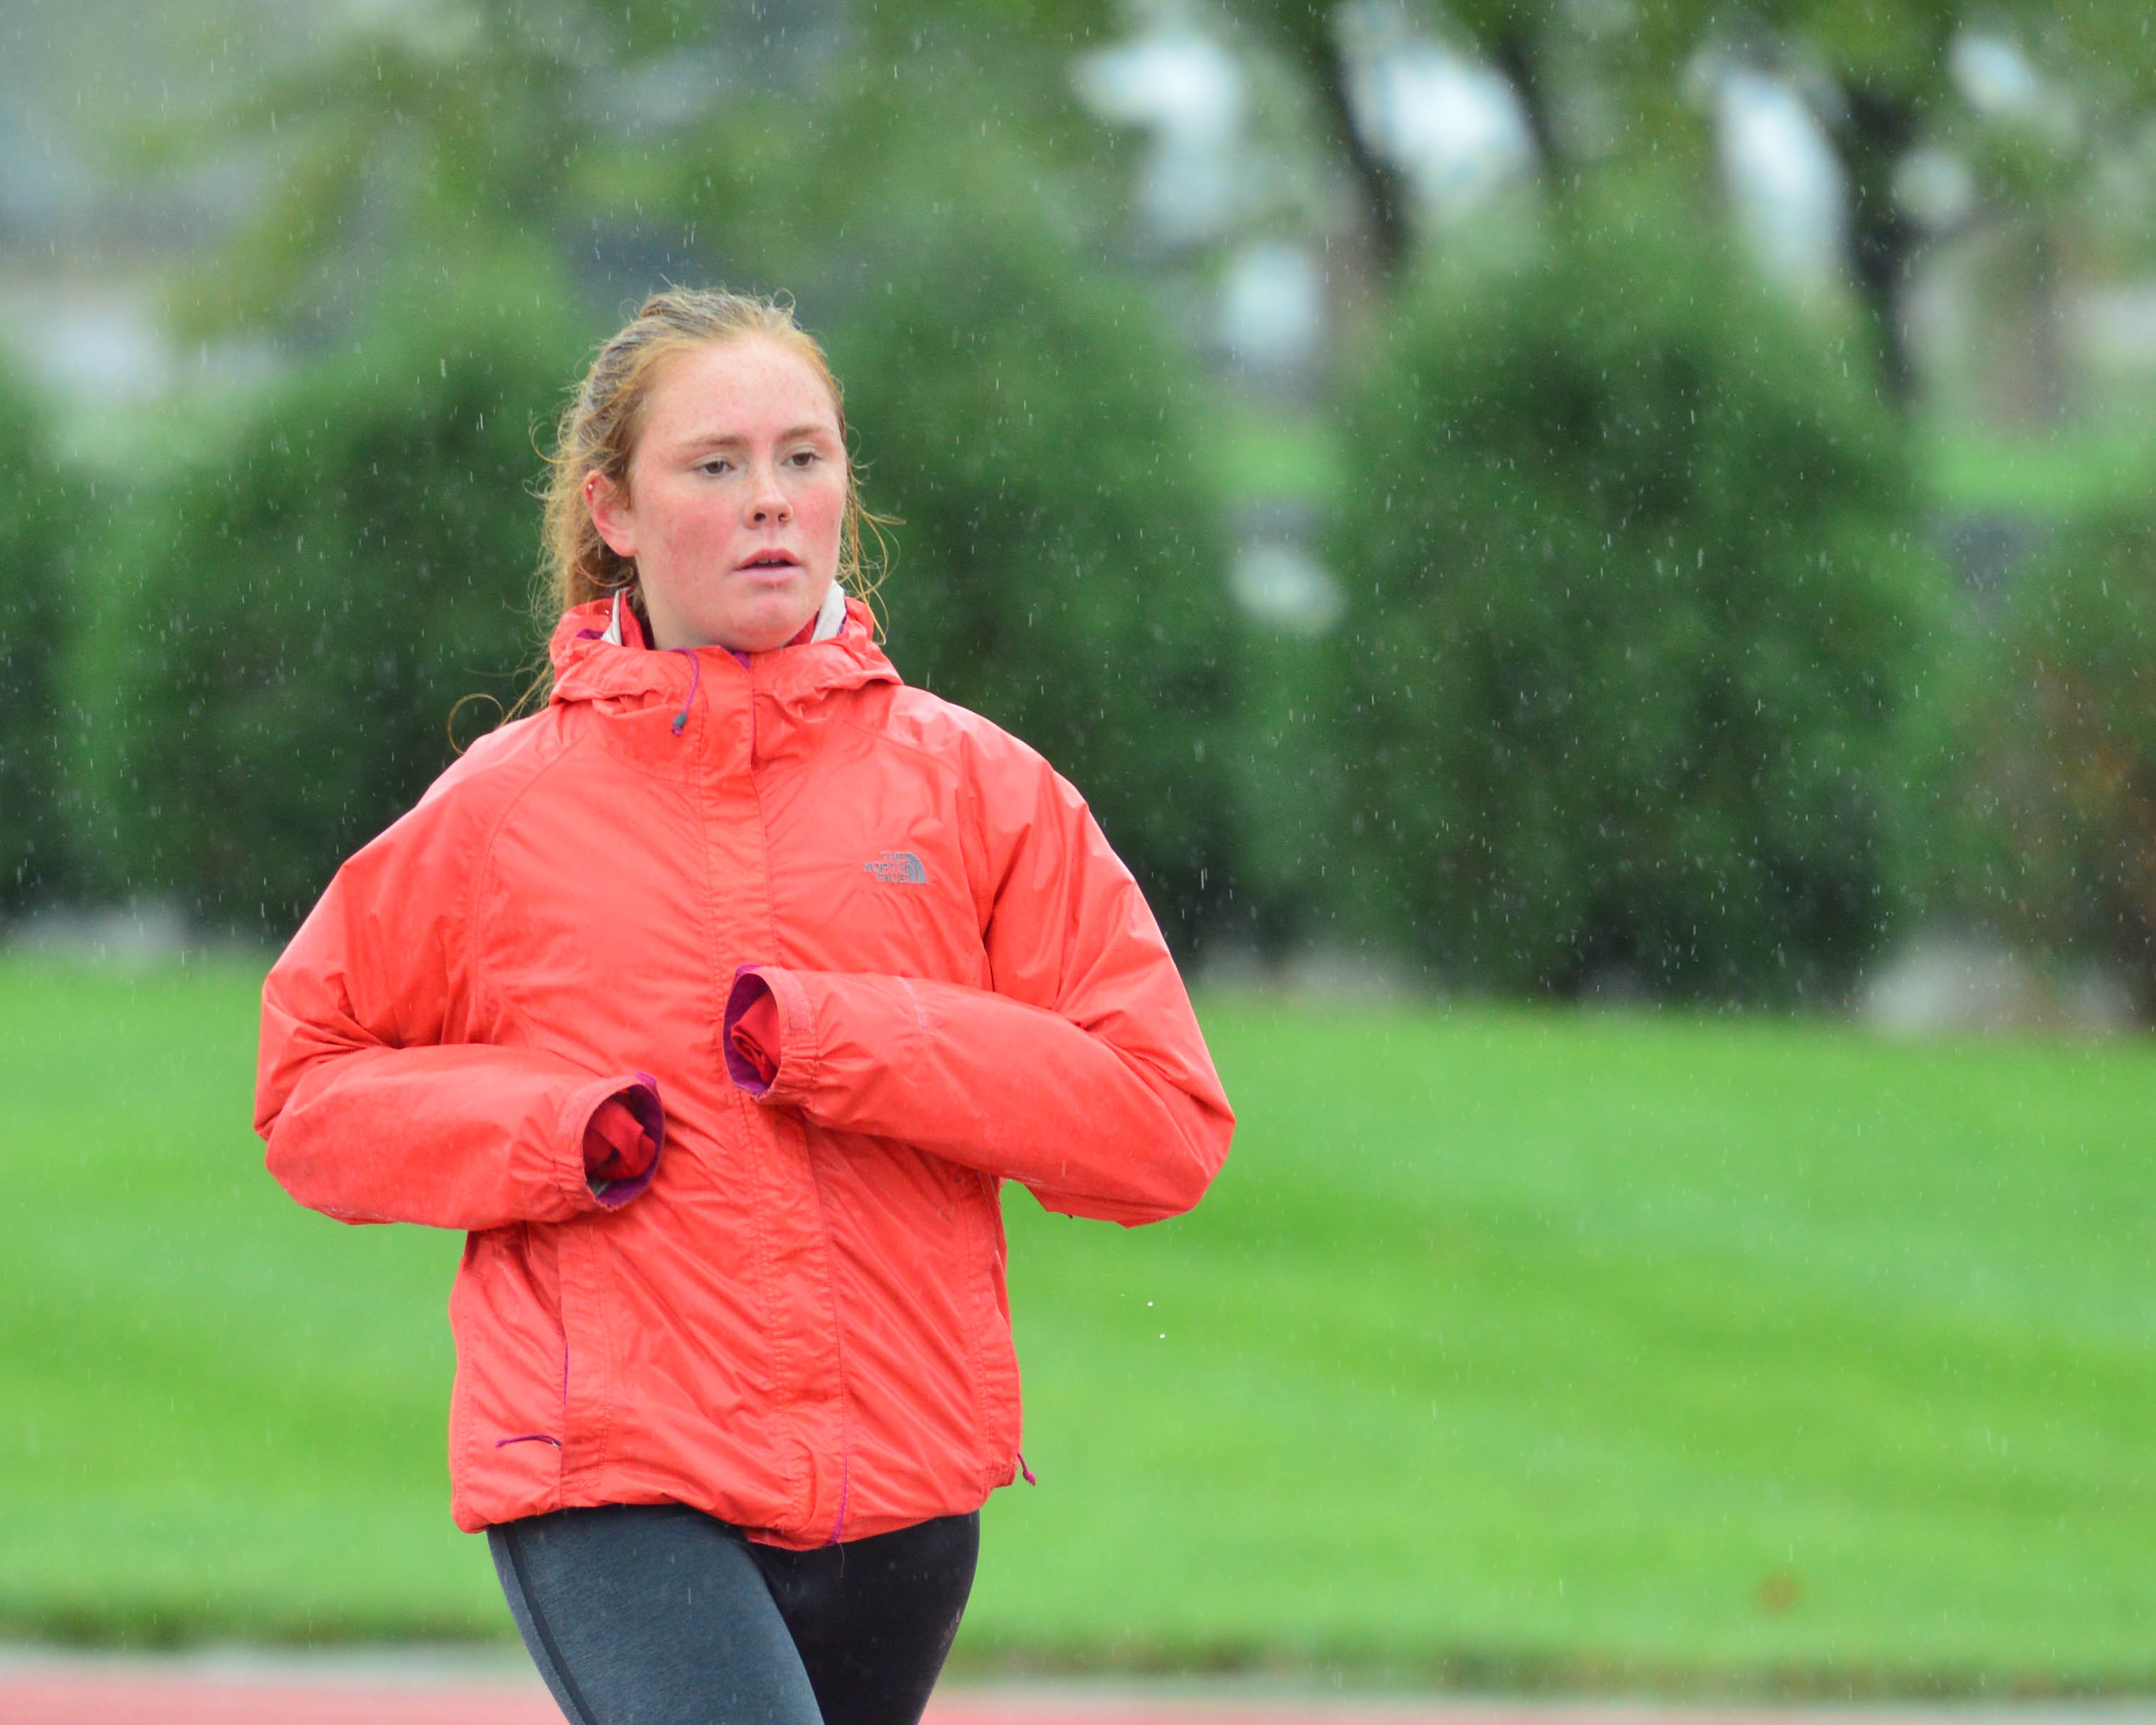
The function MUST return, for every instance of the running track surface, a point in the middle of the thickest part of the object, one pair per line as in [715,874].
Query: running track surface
[47,1691]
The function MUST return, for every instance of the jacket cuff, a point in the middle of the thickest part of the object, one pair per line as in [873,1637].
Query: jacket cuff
[748,989]
[797,1054]
[640,1099]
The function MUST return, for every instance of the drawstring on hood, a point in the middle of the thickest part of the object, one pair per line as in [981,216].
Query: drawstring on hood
[830,618]
[695,681]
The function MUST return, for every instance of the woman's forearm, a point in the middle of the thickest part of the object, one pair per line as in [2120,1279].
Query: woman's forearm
[1108,1120]
[460,1135]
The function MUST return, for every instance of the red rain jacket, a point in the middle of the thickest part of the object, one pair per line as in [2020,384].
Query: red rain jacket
[797,1321]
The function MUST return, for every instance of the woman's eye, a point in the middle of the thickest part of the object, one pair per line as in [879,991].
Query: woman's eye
[802,458]
[716,464]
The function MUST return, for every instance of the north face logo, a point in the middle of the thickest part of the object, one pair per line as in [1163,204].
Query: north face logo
[898,869]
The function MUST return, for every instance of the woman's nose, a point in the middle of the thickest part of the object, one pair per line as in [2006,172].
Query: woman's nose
[768,502]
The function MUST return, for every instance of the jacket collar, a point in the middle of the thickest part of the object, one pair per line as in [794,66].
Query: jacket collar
[588,666]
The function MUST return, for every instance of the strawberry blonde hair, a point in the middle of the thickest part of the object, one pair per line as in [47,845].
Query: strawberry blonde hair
[599,429]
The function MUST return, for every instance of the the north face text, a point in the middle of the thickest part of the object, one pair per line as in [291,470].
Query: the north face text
[898,869]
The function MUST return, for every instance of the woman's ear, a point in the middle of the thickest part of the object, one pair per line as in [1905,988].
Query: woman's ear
[611,514]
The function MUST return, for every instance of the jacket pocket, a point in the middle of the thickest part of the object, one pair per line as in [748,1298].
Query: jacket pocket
[505,1425]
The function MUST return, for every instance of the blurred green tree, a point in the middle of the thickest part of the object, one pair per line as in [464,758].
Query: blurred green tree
[385,141]
[42,517]
[290,621]
[1062,565]
[1879,70]
[1637,599]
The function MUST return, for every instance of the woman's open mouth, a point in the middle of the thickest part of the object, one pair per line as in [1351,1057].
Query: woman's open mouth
[771,563]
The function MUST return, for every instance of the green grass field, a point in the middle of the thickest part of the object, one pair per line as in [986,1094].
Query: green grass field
[1511,1348]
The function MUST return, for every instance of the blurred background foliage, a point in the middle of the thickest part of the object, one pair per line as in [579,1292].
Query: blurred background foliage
[1546,497]
[1638,596]
[37,844]
[272,653]
[1042,462]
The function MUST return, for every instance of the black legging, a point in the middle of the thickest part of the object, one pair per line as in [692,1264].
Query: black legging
[657,1613]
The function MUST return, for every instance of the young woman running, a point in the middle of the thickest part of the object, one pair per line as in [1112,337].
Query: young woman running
[715,1001]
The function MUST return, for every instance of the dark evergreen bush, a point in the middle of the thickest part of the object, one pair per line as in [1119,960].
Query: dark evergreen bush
[41,514]
[285,634]
[1637,598]
[1061,565]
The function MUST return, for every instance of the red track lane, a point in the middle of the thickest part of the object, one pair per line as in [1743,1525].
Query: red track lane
[91,1697]
[44,1693]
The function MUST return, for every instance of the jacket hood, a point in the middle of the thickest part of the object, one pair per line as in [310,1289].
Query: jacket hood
[589,668]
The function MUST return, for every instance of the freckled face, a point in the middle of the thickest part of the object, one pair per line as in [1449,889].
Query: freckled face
[735,496]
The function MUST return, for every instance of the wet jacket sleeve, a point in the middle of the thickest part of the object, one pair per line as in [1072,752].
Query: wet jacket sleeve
[376,1103]
[1081,1073]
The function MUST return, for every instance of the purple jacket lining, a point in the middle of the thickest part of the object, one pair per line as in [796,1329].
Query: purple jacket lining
[747,986]
[641,1099]
[845,1480]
